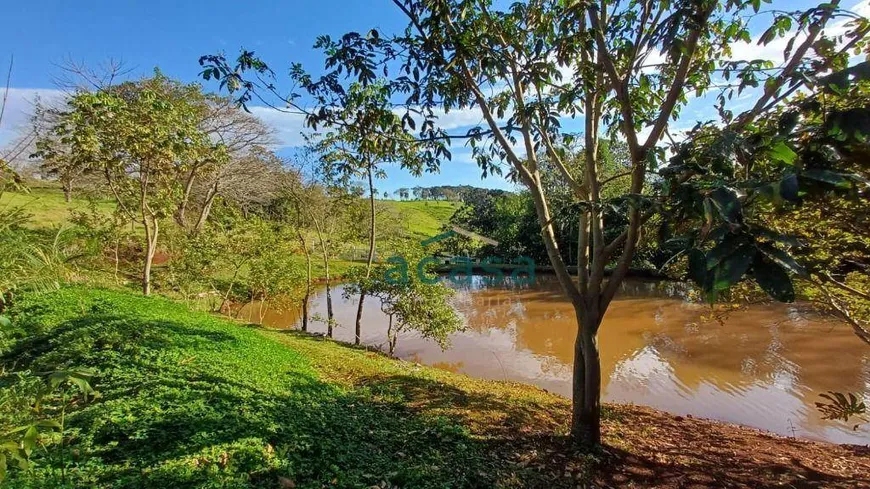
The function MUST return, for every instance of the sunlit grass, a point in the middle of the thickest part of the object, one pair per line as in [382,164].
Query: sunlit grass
[190,400]
[46,207]
[421,218]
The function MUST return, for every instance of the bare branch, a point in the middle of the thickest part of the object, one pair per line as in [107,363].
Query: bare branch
[6,91]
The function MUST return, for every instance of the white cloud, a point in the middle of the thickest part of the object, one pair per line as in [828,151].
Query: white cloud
[288,127]
[19,108]
[746,51]
[459,118]
[773,51]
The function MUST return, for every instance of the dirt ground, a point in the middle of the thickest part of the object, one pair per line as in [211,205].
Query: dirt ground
[684,452]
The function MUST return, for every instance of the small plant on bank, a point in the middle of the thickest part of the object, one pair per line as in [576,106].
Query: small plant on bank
[411,302]
[37,410]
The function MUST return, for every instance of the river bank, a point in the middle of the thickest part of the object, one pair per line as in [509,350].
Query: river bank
[643,447]
[761,365]
[192,400]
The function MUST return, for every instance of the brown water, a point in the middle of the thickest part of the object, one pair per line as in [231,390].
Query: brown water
[761,366]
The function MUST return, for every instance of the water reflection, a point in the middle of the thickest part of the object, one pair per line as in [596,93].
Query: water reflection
[762,366]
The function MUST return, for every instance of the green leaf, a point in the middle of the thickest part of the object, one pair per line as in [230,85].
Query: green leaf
[768,35]
[783,259]
[708,211]
[49,423]
[772,235]
[732,268]
[773,279]
[726,201]
[838,180]
[782,152]
[5,321]
[698,267]
[28,442]
[729,244]
[789,188]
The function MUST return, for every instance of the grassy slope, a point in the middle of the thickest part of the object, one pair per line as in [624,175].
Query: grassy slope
[192,400]
[423,219]
[47,208]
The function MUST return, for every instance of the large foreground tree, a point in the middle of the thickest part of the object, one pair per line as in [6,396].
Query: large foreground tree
[625,69]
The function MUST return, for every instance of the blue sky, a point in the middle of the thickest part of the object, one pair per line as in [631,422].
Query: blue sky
[173,34]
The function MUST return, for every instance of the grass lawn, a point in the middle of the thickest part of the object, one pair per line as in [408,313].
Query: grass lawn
[422,218]
[46,206]
[190,400]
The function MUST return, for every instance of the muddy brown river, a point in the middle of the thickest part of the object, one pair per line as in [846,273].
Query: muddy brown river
[761,365]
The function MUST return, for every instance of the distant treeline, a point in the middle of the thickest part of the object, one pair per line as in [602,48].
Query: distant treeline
[455,193]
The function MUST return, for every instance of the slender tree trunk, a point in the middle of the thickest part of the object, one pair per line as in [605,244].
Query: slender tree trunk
[185,198]
[371,256]
[67,190]
[226,297]
[151,231]
[117,259]
[307,296]
[391,337]
[206,208]
[323,247]
[330,317]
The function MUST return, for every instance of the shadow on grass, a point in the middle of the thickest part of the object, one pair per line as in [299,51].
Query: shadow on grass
[221,406]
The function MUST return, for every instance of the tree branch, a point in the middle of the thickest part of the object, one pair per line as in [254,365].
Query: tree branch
[678,82]
[790,67]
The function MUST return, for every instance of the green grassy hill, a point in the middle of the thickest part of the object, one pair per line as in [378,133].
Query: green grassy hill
[47,208]
[422,219]
[192,400]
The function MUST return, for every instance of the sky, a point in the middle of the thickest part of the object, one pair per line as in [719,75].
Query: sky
[172,35]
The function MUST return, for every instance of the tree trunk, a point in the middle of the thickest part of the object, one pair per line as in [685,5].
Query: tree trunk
[206,209]
[117,259]
[586,406]
[185,198]
[391,337]
[359,313]
[371,256]
[226,298]
[150,249]
[586,388]
[329,314]
[67,191]
[307,280]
